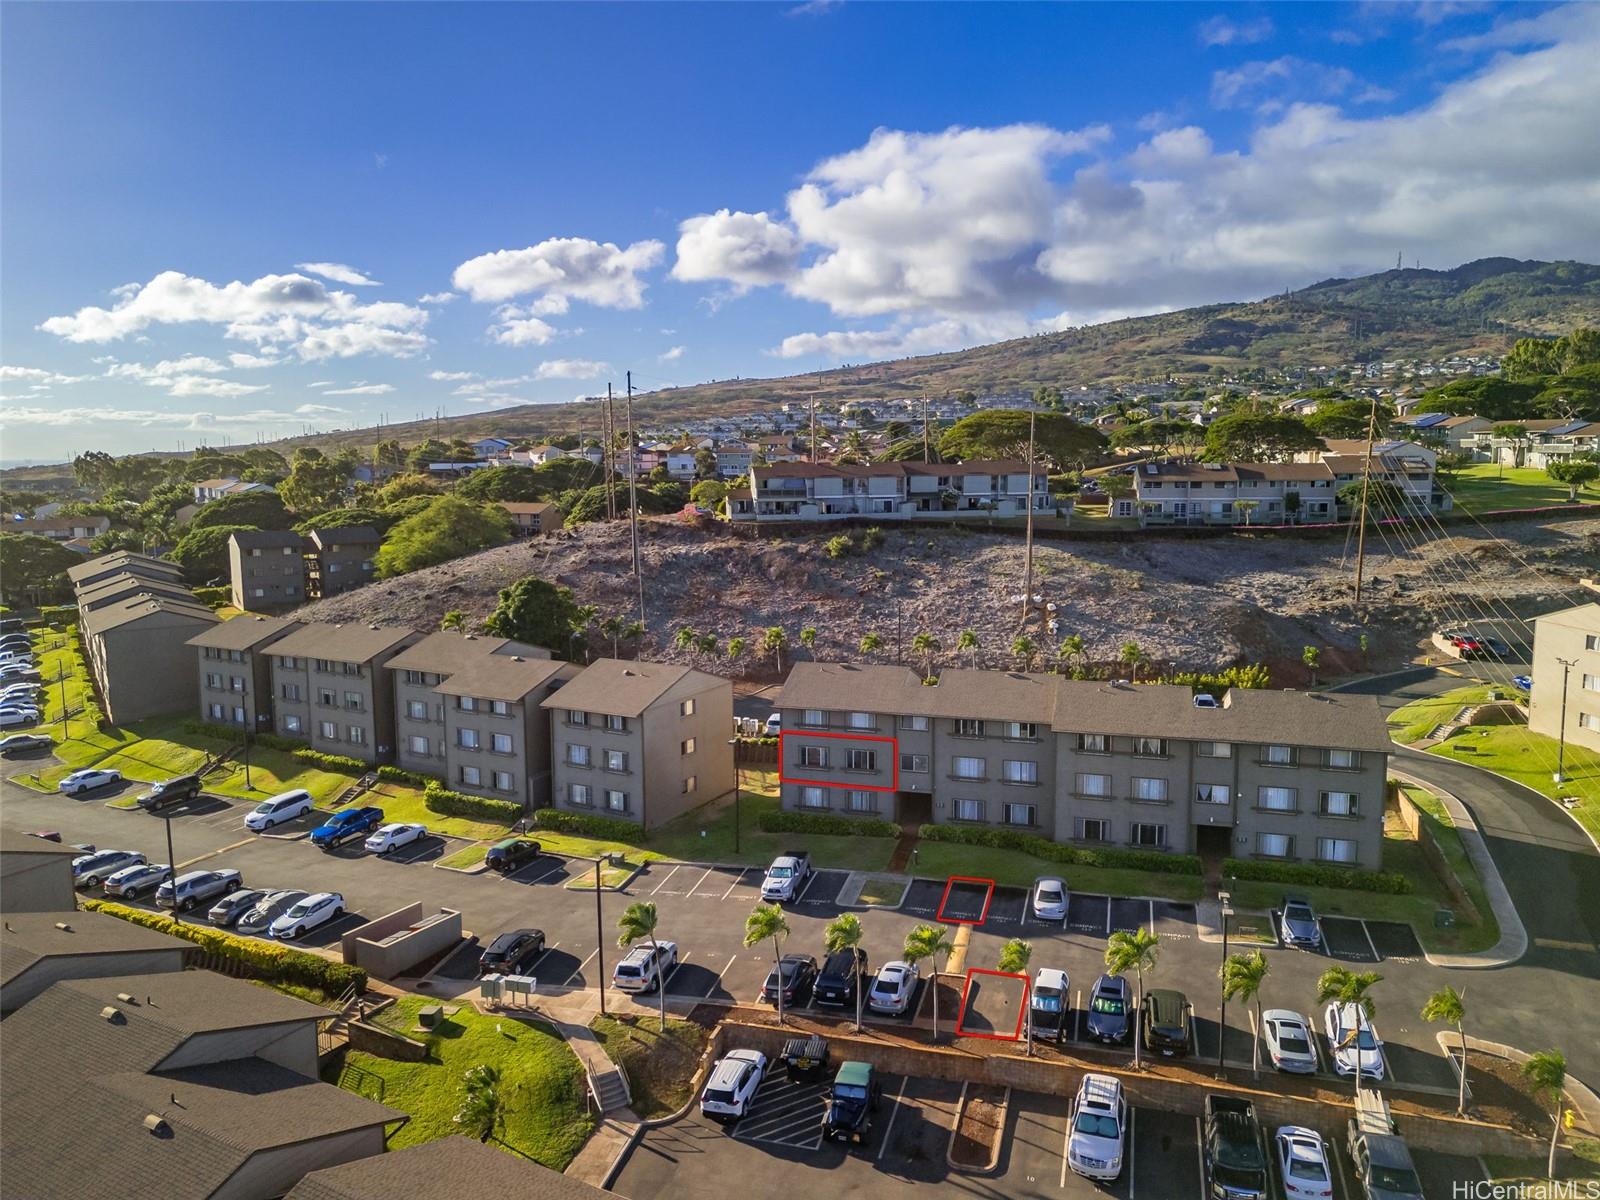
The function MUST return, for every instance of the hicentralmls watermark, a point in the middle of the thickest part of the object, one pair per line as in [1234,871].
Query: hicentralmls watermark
[1565,1189]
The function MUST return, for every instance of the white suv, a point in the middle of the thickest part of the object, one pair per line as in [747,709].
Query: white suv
[731,1091]
[275,810]
[1099,1128]
[645,968]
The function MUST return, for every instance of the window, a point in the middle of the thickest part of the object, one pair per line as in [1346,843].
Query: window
[1017,814]
[574,717]
[1094,743]
[1278,756]
[1019,770]
[1344,760]
[1336,850]
[580,794]
[1213,749]
[417,710]
[1278,799]
[1211,793]
[504,782]
[615,724]
[968,768]
[500,743]
[214,682]
[1021,731]
[813,756]
[1588,720]
[813,797]
[467,739]
[861,720]
[860,801]
[917,724]
[861,760]
[616,761]
[466,704]
[1339,804]
[1094,829]
[969,810]
[914,762]
[291,724]
[616,801]
[690,784]
[969,728]
[216,711]
[471,776]
[329,730]
[358,735]
[1149,836]
[419,745]
[1150,747]
[1591,641]
[686,709]
[327,697]
[289,664]
[1274,845]
[291,691]
[1094,785]
[352,701]
[1591,683]
[413,678]
[578,756]
[686,746]
[813,716]
[500,708]
[1151,790]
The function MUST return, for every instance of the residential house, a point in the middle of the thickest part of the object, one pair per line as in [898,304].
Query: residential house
[778,447]
[1541,442]
[680,463]
[341,560]
[330,689]
[447,1166]
[641,741]
[1177,493]
[35,874]
[733,459]
[208,490]
[45,946]
[62,529]
[138,652]
[235,665]
[490,447]
[822,491]
[123,562]
[537,456]
[532,517]
[1453,432]
[267,569]
[1566,676]
[1281,776]
[185,1084]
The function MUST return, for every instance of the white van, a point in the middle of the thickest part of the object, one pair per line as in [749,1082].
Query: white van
[644,968]
[275,810]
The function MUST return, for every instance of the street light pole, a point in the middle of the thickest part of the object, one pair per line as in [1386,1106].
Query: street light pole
[172,873]
[600,936]
[737,793]
[1561,730]
[1222,1029]
[247,786]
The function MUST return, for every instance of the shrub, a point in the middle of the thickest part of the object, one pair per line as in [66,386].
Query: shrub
[1314,875]
[214,597]
[611,829]
[838,547]
[261,959]
[1029,843]
[443,801]
[872,538]
[401,775]
[835,824]
[337,763]
[58,614]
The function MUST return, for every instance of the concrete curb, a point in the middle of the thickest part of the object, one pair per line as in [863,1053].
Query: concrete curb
[1578,1094]
[955,1126]
[476,869]
[850,894]
[579,883]
[1516,783]
[1513,943]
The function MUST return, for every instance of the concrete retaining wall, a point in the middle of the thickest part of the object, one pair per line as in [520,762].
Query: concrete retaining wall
[385,1043]
[1411,817]
[393,943]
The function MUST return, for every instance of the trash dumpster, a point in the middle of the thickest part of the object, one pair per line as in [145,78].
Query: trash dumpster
[806,1058]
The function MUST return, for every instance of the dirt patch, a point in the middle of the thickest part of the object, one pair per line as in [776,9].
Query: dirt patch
[976,1142]
[1500,1093]
[660,1066]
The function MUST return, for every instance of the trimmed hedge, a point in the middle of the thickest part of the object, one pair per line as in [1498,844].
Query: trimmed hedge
[213,597]
[58,614]
[337,763]
[833,824]
[762,740]
[1313,875]
[1029,843]
[443,801]
[610,829]
[401,775]
[263,960]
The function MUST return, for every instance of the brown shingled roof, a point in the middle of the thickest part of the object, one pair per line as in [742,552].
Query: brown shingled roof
[244,632]
[342,643]
[622,688]
[449,1166]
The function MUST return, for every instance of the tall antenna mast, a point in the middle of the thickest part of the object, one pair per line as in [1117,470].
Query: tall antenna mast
[1366,486]
[609,460]
[633,499]
[925,455]
[1027,570]
[813,431]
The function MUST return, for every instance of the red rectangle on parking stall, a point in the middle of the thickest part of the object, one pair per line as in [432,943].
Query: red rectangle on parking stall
[1022,1009]
[894,762]
[988,896]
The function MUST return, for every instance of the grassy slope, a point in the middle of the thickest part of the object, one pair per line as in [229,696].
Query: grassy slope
[1529,758]
[660,1066]
[1413,722]
[1484,486]
[542,1080]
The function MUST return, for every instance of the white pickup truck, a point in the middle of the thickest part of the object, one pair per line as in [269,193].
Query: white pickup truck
[786,876]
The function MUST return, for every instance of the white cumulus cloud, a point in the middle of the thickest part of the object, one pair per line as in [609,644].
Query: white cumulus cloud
[339,273]
[1225,31]
[451,376]
[562,269]
[436,298]
[570,368]
[361,389]
[744,249]
[672,355]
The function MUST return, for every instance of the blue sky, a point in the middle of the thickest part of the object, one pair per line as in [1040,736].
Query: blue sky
[229,219]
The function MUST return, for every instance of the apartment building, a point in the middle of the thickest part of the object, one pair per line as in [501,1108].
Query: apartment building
[330,689]
[1407,466]
[1454,432]
[236,670]
[640,741]
[1566,676]
[733,459]
[802,491]
[1177,493]
[138,652]
[128,586]
[123,562]
[1285,776]
[340,559]
[267,569]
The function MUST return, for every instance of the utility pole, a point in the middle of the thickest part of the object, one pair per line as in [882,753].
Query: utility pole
[1366,487]
[609,460]
[813,430]
[925,456]
[1224,900]
[1561,731]
[600,935]
[1027,570]
[633,499]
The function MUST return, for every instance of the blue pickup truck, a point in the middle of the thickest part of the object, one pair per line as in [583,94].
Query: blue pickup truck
[341,827]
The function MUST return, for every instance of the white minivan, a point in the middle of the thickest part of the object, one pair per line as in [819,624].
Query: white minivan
[275,810]
[643,969]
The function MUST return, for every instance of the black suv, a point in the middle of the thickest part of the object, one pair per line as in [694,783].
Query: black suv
[841,977]
[852,1100]
[510,854]
[1232,1152]
[1166,1022]
[510,952]
[170,792]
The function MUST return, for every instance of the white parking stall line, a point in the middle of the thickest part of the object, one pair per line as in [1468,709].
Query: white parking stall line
[735,882]
[801,898]
[883,1142]
[1200,1155]
[696,886]
[766,1118]
[1152,926]
[1066,1142]
[717,982]
[581,966]
[1077,1017]
[1367,933]
[668,879]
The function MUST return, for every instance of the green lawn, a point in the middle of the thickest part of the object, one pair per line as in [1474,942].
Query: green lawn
[888,892]
[402,802]
[1484,487]
[462,860]
[1013,868]
[541,1081]
[274,771]
[1416,720]
[660,1066]
[1518,753]
[610,877]
[146,751]
[1579,1159]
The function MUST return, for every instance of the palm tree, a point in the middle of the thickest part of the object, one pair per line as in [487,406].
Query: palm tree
[736,647]
[968,641]
[870,643]
[482,1112]
[1312,657]
[1131,655]
[1024,648]
[686,639]
[1344,986]
[1134,952]
[454,619]
[930,942]
[1014,958]
[638,923]
[611,627]
[633,631]
[766,921]
[1547,1072]
[776,641]
[1449,1008]
[844,933]
[1242,976]
[1071,648]
[926,645]
[808,639]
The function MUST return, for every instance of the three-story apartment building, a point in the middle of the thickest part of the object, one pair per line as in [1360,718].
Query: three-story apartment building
[267,569]
[1566,675]
[803,491]
[341,559]
[1288,776]
[236,670]
[330,689]
[640,741]
[1179,493]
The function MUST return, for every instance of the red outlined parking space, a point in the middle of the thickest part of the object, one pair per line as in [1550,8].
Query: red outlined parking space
[965,901]
[987,1000]
[894,762]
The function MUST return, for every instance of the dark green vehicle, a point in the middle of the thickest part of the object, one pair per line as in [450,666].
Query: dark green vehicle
[852,1100]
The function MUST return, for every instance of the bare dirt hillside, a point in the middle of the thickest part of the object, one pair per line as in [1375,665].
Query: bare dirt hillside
[1188,603]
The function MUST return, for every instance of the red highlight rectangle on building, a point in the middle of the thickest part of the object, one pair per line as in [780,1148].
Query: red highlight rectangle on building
[1022,1009]
[983,914]
[894,761]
